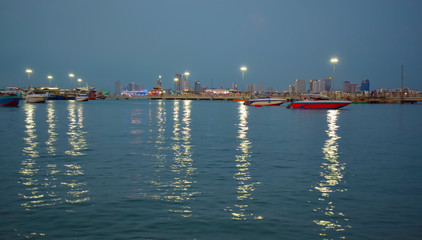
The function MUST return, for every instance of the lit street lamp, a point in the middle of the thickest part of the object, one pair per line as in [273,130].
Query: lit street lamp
[243,69]
[50,78]
[29,71]
[187,75]
[79,81]
[334,61]
[71,76]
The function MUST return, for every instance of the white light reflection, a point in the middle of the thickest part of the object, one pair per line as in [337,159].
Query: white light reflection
[33,197]
[241,210]
[76,190]
[331,220]
[76,129]
[182,167]
[51,120]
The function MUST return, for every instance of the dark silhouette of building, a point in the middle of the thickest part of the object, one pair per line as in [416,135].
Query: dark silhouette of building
[364,86]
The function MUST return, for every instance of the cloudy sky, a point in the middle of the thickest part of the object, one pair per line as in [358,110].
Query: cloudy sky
[279,41]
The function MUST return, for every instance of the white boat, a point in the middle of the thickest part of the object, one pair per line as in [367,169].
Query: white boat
[264,101]
[81,97]
[36,96]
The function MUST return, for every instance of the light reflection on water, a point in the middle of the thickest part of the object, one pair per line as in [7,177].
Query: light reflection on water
[46,180]
[245,184]
[330,219]
[182,166]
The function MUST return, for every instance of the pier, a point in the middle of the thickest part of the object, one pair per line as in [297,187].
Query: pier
[288,97]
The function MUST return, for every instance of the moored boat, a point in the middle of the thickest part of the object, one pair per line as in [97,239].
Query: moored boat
[264,101]
[316,101]
[37,96]
[81,97]
[9,99]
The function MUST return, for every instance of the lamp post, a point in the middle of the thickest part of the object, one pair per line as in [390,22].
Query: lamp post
[79,81]
[29,71]
[243,69]
[71,76]
[334,61]
[50,78]
[176,86]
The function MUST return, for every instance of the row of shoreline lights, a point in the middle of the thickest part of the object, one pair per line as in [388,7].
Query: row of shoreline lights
[50,77]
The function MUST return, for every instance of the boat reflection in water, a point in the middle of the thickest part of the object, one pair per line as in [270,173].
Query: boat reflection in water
[245,184]
[332,221]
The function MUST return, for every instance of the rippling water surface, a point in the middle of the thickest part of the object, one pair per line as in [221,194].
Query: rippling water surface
[139,169]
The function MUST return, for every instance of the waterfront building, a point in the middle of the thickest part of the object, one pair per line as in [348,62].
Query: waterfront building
[364,86]
[198,88]
[327,84]
[292,88]
[300,85]
[355,88]
[347,86]
[117,89]
[260,88]
[270,89]
[250,87]
[311,85]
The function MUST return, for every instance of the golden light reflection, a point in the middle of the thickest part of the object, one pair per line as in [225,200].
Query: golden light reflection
[75,190]
[241,210]
[76,132]
[182,167]
[51,120]
[331,220]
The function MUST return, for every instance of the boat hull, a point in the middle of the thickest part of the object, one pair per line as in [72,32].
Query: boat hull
[36,98]
[9,101]
[264,102]
[319,104]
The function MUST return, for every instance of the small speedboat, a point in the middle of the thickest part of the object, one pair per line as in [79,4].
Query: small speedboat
[9,99]
[316,101]
[36,96]
[264,101]
[82,97]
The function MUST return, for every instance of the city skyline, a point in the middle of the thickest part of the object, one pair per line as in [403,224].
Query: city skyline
[134,41]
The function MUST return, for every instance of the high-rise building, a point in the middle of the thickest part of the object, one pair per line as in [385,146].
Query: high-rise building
[347,87]
[117,89]
[327,85]
[300,86]
[198,87]
[311,87]
[270,89]
[260,88]
[250,87]
[182,84]
[364,86]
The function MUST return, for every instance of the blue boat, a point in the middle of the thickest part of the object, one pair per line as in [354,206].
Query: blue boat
[9,99]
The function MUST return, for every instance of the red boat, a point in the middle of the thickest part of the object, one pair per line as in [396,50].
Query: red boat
[314,101]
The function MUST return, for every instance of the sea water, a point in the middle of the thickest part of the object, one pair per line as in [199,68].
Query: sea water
[140,169]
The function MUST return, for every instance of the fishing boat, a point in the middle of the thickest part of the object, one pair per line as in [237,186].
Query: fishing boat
[82,97]
[37,96]
[316,101]
[264,101]
[9,99]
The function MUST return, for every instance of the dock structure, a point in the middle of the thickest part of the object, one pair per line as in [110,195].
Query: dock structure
[288,97]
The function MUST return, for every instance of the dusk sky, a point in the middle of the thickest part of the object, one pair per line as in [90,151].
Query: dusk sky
[279,41]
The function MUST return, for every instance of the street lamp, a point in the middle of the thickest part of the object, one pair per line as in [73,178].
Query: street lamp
[79,81]
[29,71]
[71,76]
[187,75]
[334,61]
[50,78]
[176,84]
[243,69]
